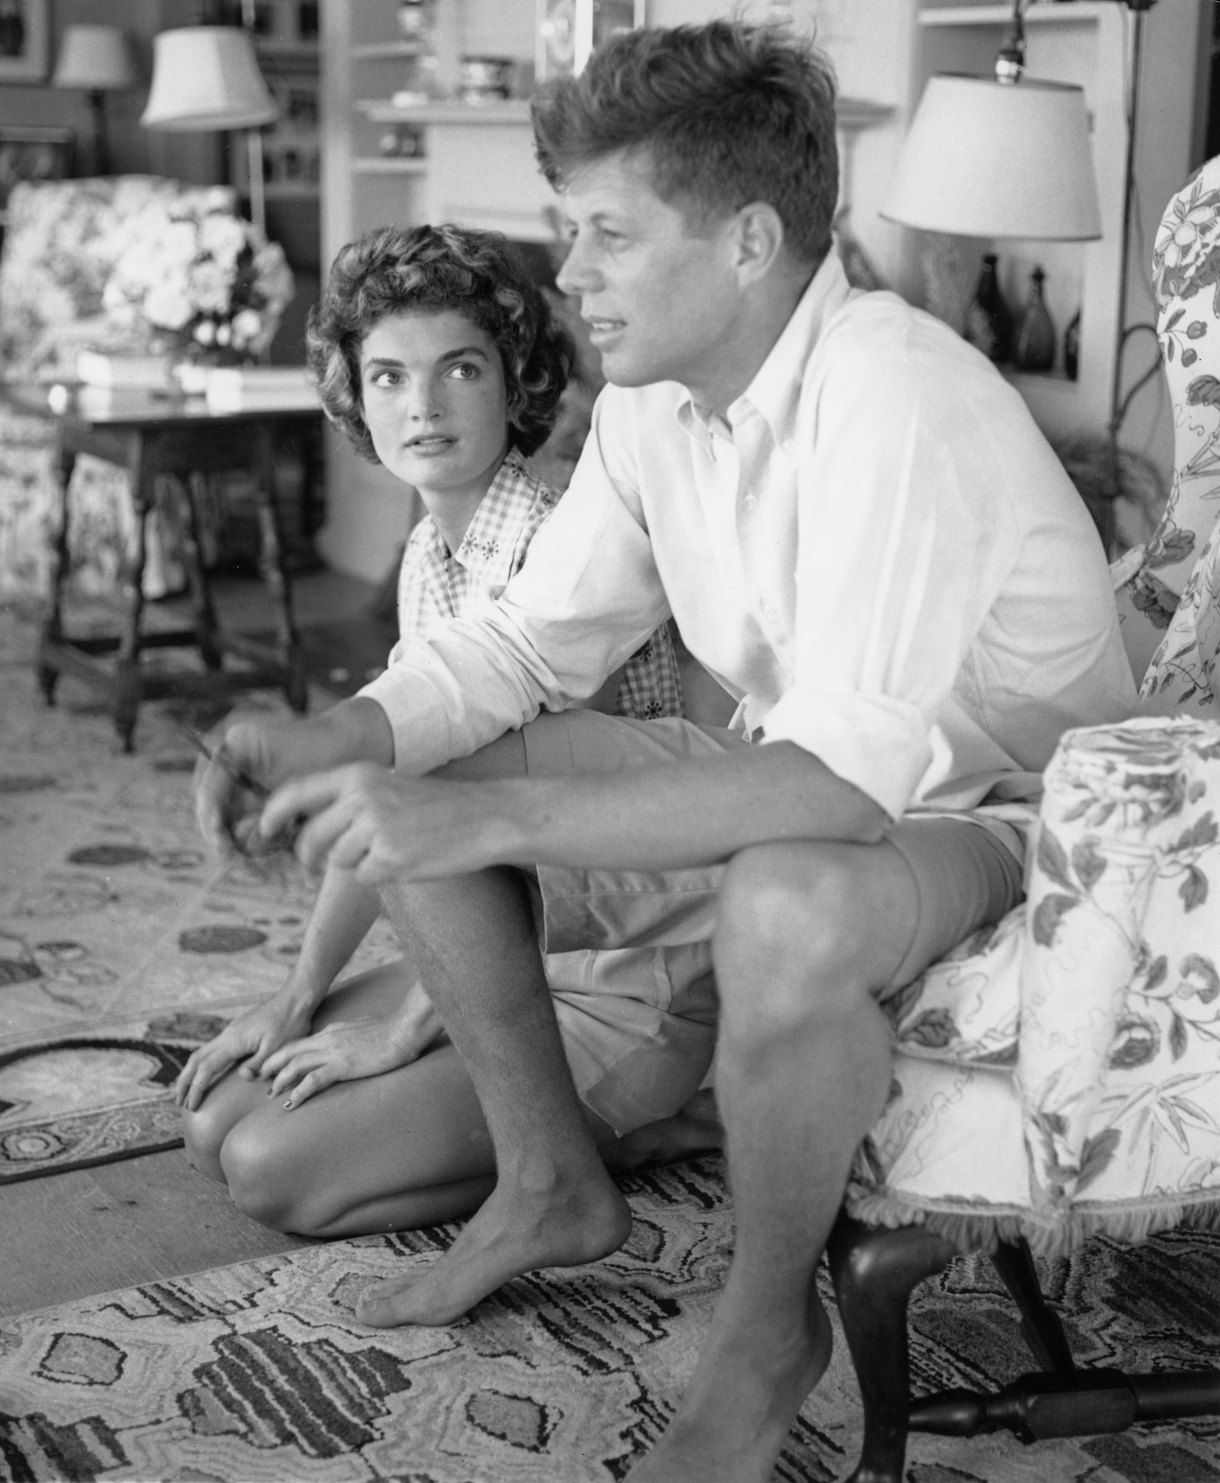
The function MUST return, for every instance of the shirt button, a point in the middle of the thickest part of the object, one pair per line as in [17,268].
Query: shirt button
[750,501]
[788,447]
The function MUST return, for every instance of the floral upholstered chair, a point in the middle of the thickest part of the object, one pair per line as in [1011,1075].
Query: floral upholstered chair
[1059,1073]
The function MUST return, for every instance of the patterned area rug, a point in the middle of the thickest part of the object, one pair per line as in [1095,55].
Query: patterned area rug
[259,1370]
[121,948]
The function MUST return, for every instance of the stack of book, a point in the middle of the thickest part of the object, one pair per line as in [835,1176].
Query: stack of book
[124,372]
[239,388]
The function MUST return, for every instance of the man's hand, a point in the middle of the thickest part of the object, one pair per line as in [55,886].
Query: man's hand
[247,1040]
[345,1052]
[383,827]
[267,750]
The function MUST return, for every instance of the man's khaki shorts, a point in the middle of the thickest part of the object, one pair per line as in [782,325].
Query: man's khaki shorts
[967,867]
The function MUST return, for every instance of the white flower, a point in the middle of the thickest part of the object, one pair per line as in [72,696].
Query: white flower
[167,306]
[176,245]
[246,327]
[194,270]
[222,237]
[211,288]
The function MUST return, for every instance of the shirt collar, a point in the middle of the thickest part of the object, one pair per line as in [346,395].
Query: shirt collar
[485,548]
[775,390]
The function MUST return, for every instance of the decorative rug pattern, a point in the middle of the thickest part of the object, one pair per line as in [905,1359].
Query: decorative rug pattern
[121,946]
[259,1371]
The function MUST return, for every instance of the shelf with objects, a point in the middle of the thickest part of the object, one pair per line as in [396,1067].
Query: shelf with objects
[1087,44]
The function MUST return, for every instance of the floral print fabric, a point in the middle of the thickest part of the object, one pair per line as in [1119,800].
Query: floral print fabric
[63,242]
[1174,584]
[1059,1073]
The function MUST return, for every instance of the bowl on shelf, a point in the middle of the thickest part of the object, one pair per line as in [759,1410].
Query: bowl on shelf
[485,79]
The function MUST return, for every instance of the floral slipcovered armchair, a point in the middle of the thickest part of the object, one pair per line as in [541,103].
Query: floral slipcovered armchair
[91,264]
[1059,1073]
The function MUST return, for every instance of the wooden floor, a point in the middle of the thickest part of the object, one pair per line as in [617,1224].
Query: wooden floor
[93,1230]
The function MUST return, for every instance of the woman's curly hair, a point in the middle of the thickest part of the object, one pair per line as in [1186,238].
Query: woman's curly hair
[433,268]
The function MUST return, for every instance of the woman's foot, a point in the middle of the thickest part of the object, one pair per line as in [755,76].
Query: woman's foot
[693,1130]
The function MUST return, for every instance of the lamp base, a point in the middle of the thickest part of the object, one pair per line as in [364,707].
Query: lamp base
[948,289]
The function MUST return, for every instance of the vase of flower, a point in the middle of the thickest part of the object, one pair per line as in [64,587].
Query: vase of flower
[205,284]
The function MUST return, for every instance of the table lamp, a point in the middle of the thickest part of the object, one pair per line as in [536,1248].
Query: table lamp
[985,157]
[98,60]
[1006,156]
[207,78]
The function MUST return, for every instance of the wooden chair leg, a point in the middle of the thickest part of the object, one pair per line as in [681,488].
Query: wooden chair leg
[875,1270]
[1040,1326]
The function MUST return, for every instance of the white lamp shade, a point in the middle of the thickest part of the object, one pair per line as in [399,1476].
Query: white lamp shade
[97,58]
[990,159]
[206,77]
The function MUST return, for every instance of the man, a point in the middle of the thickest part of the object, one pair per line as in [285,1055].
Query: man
[862,535]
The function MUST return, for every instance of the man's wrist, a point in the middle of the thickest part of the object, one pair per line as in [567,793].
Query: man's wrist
[361,730]
[515,815]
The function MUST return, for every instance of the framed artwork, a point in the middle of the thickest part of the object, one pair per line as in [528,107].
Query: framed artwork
[568,30]
[30,153]
[25,40]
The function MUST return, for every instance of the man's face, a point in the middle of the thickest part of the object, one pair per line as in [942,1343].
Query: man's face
[657,291]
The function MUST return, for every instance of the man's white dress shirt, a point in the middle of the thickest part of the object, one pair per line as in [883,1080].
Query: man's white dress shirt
[876,552]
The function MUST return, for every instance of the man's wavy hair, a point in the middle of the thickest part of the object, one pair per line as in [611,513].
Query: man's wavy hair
[429,269]
[724,114]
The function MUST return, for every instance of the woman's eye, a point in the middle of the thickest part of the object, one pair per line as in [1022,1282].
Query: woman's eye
[383,379]
[464,371]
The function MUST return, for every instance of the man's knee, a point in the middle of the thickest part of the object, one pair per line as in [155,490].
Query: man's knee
[800,934]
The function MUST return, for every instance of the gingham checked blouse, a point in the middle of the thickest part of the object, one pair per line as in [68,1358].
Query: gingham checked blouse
[434,584]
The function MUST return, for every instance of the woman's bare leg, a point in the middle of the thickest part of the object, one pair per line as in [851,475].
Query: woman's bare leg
[404,1149]
[377,993]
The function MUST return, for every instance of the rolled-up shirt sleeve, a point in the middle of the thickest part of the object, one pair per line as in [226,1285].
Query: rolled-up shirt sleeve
[586,598]
[885,612]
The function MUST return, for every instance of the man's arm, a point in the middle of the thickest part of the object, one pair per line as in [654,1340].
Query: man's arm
[385,827]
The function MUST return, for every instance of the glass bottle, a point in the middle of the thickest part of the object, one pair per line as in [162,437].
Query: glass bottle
[1071,348]
[989,319]
[1035,344]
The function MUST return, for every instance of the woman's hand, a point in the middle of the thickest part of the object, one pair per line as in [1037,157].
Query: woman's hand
[246,1042]
[347,1052]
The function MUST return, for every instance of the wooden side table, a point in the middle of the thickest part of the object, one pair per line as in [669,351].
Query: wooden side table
[150,436]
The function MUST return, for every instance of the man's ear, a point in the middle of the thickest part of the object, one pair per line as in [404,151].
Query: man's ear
[759,239]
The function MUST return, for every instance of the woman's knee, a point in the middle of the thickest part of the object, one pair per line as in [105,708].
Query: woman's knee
[203,1133]
[260,1178]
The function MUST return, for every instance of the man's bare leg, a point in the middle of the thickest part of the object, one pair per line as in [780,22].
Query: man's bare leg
[472,939]
[806,933]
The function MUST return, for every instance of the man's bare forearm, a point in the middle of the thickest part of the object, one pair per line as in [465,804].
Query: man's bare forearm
[357,730]
[685,813]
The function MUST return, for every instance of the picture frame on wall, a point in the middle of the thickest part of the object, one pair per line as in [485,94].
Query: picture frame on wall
[25,40]
[568,30]
[33,153]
